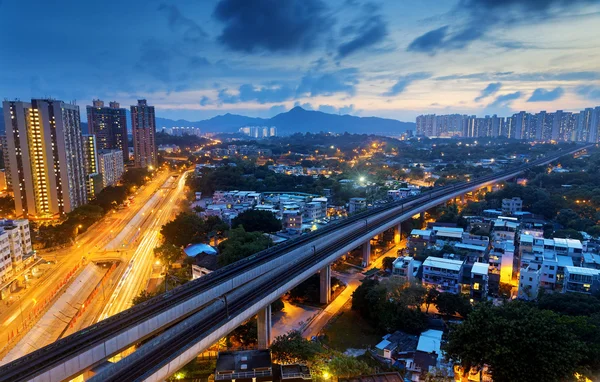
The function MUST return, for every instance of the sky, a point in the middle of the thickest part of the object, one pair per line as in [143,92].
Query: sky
[397,59]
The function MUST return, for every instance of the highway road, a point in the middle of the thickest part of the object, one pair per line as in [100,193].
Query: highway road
[21,310]
[138,271]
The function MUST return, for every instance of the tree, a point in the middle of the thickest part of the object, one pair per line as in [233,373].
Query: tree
[168,253]
[430,298]
[241,244]
[142,297]
[517,341]
[7,206]
[135,177]
[388,262]
[573,304]
[189,228]
[110,197]
[343,366]
[257,220]
[505,290]
[294,348]
[451,304]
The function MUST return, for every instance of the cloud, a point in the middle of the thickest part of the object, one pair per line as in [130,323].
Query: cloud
[429,42]
[272,25]
[277,109]
[192,32]
[504,100]
[588,91]
[312,84]
[404,81]
[341,81]
[372,30]
[262,95]
[204,101]
[305,106]
[478,17]
[489,90]
[541,95]
[532,76]
[347,109]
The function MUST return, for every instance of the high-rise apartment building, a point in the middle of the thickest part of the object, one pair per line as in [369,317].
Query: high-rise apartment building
[90,159]
[109,125]
[111,166]
[45,148]
[259,131]
[6,157]
[143,127]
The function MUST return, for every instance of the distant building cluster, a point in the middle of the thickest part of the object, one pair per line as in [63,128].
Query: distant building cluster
[53,168]
[478,264]
[259,131]
[297,211]
[232,150]
[559,126]
[182,131]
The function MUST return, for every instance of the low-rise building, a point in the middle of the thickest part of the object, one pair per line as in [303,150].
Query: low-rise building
[406,267]
[292,220]
[418,241]
[529,282]
[510,206]
[244,366]
[479,281]
[581,280]
[443,274]
[356,204]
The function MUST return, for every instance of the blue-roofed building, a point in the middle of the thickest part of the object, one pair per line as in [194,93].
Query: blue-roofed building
[205,259]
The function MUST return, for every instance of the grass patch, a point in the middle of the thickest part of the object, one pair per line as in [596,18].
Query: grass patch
[349,330]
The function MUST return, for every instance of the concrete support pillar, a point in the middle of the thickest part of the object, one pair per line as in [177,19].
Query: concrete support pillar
[462,198]
[366,253]
[264,327]
[422,215]
[397,234]
[325,290]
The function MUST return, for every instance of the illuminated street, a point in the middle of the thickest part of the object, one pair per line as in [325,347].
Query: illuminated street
[91,244]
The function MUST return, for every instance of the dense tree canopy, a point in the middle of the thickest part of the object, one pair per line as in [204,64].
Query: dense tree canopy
[7,206]
[257,220]
[518,342]
[241,244]
[189,228]
[391,307]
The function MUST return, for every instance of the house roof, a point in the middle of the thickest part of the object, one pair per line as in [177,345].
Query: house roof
[564,261]
[421,232]
[385,344]
[480,268]
[582,271]
[194,250]
[430,341]
[443,263]
[471,247]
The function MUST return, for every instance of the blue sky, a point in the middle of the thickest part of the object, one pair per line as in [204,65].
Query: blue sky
[198,59]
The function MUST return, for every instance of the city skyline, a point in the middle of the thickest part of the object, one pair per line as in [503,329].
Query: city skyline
[391,60]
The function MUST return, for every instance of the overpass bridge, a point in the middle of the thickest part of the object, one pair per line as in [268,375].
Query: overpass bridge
[197,314]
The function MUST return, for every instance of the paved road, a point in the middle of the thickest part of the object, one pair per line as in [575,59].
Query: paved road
[352,281]
[22,312]
[139,269]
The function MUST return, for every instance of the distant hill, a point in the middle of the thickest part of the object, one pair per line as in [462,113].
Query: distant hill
[292,121]
[297,120]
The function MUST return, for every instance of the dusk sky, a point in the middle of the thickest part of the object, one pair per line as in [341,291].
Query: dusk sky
[397,59]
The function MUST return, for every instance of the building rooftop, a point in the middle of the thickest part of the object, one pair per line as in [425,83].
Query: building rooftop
[472,247]
[439,262]
[480,268]
[236,364]
[382,377]
[564,261]
[582,271]
[195,249]
[430,341]
[421,232]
